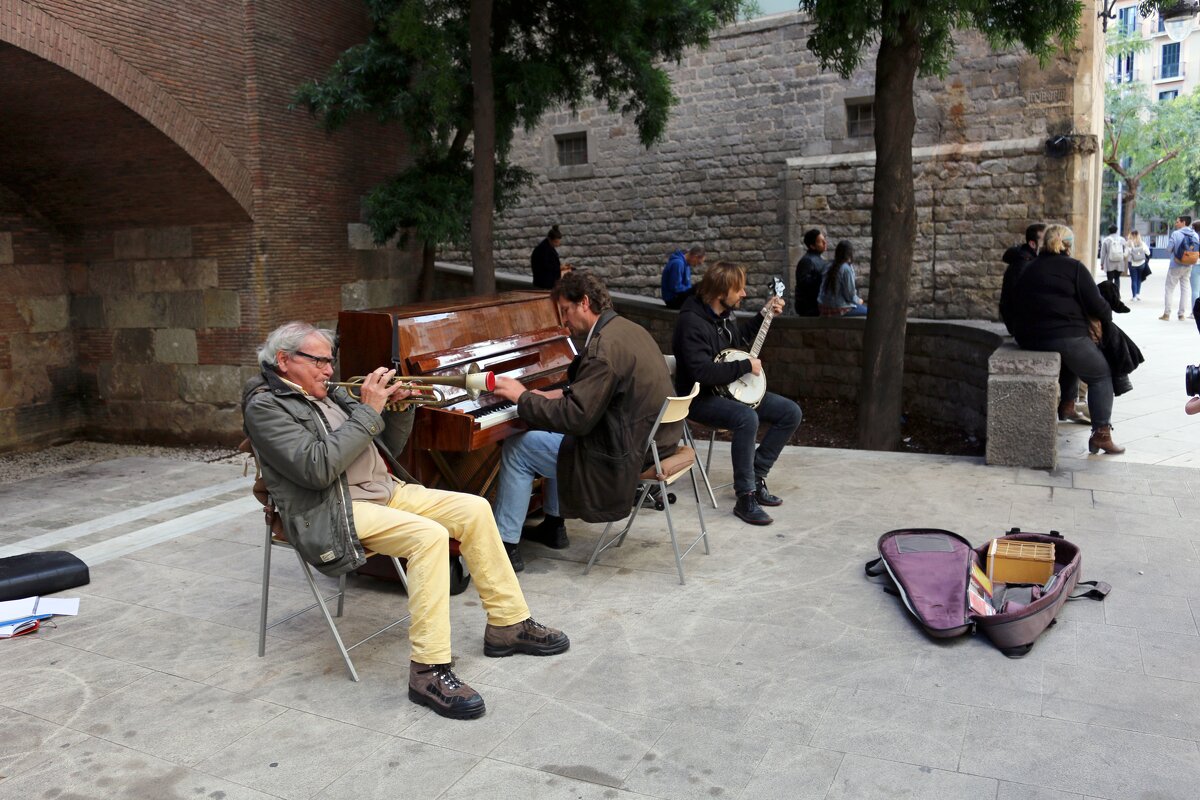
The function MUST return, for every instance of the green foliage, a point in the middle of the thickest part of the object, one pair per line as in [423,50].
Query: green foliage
[414,69]
[846,29]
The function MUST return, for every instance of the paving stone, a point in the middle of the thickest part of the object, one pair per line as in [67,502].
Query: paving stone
[862,776]
[788,772]
[892,726]
[401,768]
[492,779]
[587,742]
[295,756]
[1073,757]
[1124,700]
[1150,612]
[693,761]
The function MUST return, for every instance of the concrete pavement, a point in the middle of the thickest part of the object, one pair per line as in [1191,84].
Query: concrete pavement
[778,671]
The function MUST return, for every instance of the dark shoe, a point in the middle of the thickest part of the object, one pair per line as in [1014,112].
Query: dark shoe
[436,686]
[550,531]
[529,637]
[1102,440]
[1067,412]
[748,510]
[514,555]
[763,495]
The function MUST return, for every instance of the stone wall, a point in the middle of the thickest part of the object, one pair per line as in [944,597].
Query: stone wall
[757,151]
[173,209]
[945,362]
[38,387]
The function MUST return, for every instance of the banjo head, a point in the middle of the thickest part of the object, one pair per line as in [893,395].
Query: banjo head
[749,388]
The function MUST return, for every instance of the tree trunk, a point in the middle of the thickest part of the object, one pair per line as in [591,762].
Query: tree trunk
[484,169]
[893,230]
[428,256]
[1129,206]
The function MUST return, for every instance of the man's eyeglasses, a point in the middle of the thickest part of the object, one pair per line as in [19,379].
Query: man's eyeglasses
[320,361]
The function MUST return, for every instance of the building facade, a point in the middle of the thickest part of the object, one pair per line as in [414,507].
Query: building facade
[763,145]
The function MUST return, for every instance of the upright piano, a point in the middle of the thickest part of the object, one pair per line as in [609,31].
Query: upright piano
[455,443]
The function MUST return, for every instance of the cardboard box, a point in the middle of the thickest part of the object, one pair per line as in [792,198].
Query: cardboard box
[1012,561]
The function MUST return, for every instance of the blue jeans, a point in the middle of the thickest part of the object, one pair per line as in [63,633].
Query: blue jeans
[858,310]
[742,421]
[522,458]
[1135,279]
[1081,357]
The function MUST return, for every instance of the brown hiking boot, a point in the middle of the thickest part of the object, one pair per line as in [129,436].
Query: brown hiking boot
[529,637]
[436,686]
[1102,440]
[1067,412]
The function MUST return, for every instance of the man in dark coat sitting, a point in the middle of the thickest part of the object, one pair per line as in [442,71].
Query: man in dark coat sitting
[589,439]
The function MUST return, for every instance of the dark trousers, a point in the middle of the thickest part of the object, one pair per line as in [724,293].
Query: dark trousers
[742,421]
[1114,275]
[1082,360]
[676,302]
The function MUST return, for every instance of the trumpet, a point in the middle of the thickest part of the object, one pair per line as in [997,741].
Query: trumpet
[473,381]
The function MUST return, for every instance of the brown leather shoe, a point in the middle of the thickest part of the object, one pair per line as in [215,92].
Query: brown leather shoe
[1067,412]
[1102,440]
[436,686]
[529,637]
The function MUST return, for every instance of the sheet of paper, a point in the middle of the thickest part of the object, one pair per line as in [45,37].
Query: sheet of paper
[17,609]
[61,606]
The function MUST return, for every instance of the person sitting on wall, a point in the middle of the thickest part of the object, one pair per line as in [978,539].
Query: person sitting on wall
[587,439]
[839,297]
[810,270]
[544,262]
[1016,257]
[677,275]
[322,452]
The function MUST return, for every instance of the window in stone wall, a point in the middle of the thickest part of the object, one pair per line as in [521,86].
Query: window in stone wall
[572,148]
[860,117]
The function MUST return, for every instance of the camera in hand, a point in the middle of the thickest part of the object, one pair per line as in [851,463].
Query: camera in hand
[1191,380]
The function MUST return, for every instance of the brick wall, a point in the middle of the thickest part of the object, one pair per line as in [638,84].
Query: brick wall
[757,151]
[241,213]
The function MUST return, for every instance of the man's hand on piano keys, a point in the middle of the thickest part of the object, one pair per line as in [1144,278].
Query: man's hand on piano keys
[378,392]
[510,389]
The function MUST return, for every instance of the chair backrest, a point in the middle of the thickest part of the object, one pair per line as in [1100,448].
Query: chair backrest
[670,359]
[673,409]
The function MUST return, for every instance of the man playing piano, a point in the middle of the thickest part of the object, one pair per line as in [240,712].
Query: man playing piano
[320,450]
[588,440]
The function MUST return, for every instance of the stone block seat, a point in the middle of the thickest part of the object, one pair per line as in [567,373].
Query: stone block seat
[1022,408]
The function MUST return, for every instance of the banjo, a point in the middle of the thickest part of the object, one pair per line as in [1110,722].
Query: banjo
[749,388]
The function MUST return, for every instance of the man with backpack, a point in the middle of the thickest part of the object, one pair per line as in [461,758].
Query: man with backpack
[1113,249]
[1184,247]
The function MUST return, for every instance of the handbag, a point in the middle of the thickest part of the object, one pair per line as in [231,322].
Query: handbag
[1146,270]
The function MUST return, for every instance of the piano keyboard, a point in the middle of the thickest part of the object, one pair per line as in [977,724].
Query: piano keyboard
[495,415]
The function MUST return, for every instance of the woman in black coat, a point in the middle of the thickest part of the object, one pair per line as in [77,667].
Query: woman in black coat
[1052,302]
[544,261]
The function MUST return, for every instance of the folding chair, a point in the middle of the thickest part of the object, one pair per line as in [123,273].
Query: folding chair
[275,537]
[663,474]
[691,442]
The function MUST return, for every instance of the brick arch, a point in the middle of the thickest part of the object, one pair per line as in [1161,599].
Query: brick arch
[31,29]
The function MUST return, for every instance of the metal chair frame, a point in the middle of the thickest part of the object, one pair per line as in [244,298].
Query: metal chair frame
[271,540]
[674,409]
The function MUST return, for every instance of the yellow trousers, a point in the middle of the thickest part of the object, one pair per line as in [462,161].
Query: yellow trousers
[415,525]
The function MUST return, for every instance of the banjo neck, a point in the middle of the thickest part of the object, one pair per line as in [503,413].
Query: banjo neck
[762,334]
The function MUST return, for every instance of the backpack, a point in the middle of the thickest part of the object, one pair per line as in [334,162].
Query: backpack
[941,579]
[1187,252]
[1116,251]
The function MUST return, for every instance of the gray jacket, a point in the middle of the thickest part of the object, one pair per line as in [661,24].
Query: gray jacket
[304,464]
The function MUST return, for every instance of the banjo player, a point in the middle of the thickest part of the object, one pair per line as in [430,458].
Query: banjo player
[707,326]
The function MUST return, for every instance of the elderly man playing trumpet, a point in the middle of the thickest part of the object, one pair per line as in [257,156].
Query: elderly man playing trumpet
[321,451]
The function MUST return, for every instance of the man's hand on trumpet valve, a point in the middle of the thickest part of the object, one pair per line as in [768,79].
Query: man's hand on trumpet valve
[378,392]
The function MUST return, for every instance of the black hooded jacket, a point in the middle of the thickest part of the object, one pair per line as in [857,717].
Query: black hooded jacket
[699,336]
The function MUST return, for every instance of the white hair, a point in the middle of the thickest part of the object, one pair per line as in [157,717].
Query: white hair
[288,338]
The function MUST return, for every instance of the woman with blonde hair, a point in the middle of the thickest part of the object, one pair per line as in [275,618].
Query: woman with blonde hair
[1138,256]
[1052,301]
